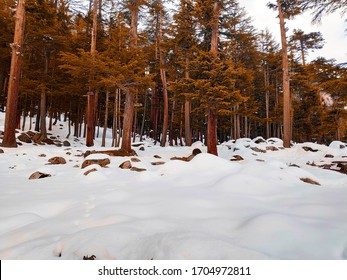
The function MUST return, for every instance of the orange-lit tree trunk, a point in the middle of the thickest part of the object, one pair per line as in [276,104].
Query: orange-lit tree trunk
[212,112]
[12,97]
[91,94]
[286,88]
[187,127]
[130,94]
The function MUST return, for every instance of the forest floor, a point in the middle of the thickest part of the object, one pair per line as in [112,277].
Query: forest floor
[255,201]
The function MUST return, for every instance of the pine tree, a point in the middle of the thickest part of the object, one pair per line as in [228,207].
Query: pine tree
[9,139]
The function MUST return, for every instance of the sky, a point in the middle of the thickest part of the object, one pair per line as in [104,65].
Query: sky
[332,27]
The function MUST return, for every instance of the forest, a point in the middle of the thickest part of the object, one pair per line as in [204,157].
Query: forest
[176,72]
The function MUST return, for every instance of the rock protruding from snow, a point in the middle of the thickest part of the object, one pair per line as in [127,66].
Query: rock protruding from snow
[66,143]
[237,158]
[90,171]
[1,151]
[114,153]
[134,159]
[23,137]
[137,169]
[103,162]
[39,175]
[57,160]
[125,165]
[158,162]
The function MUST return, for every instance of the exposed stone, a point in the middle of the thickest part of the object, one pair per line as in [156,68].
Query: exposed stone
[142,148]
[138,169]
[309,149]
[42,155]
[309,181]
[196,151]
[158,163]
[24,138]
[328,156]
[68,153]
[66,143]
[259,140]
[39,175]
[76,166]
[342,146]
[89,171]
[136,144]
[260,160]
[237,158]
[1,151]
[125,165]
[134,159]
[102,162]
[272,148]
[57,160]
[114,153]
[37,138]
[48,141]
[31,133]
[256,149]
[156,156]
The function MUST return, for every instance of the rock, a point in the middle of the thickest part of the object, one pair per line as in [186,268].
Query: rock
[142,148]
[196,151]
[102,162]
[342,146]
[125,165]
[66,143]
[57,160]
[24,138]
[68,153]
[136,144]
[156,156]
[76,166]
[259,140]
[328,156]
[138,169]
[90,171]
[37,138]
[48,141]
[309,149]
[236,158]
[31,133]
[271,148]
[1,151]
[114,153]
[39,175]
[258,150]
[309,181]
[158,163]
[53,137]
[134,159]
[42,155]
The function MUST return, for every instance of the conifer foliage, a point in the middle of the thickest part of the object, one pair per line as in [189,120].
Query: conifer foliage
[176,73]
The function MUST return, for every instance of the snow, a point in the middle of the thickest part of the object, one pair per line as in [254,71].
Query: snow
[207,208]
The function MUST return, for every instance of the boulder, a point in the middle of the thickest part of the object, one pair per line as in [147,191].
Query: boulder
[142,148]
[138,169]
[57,160]
[309,149]
[328,156]
[66,143]
[196,151]
[39,175]
[102,162]
[158,163]
[90,171]
[256,149]
[24,138]
[271,148]
[31,133]
[37,138]
[156,156]
[236,158]
[134,159]
[1,151]
[114,153]
[309,181]
[48,141]
[125,165]
[42,155]
[259,140]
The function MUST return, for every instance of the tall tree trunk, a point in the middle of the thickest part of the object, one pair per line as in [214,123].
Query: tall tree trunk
[286,88]
[212,112]
[163,78]
[187,128]
[267,99]
[91,95]
[9,139]
[105,120]
[143,118]
[130,94]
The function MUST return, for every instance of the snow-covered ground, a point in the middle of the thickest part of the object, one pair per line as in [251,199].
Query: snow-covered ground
[208,208]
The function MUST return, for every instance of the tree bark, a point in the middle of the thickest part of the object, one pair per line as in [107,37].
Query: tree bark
[187,127]
[9,139]
[286,87]
[91,95]
[105,120]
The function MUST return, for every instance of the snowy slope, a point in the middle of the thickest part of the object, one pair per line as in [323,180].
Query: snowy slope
[208,208]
